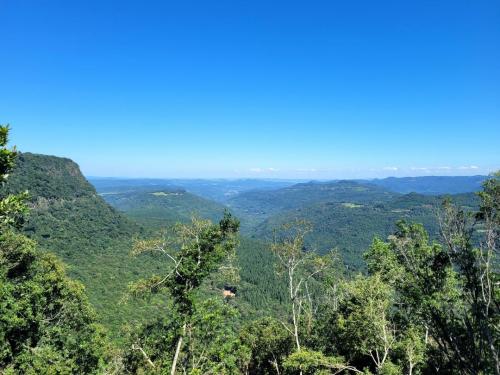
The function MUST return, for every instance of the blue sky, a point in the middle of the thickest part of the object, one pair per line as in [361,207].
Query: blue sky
[301,89]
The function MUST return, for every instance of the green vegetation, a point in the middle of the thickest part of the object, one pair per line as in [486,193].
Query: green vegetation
[46,323]
[262,204]
[158,209]
[199,299]
[350,227]
[198,333]
[68,218]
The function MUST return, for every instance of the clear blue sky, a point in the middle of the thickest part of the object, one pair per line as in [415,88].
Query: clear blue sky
[312,89]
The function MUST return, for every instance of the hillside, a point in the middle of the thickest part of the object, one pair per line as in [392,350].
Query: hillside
[260,205]
[69,218]
[345,214]
[160,208]
[350,226]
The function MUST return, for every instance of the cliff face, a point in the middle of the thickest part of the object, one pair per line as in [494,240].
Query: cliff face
[67,215]
[49,177]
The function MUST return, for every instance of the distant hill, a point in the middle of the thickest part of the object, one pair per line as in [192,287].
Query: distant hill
[350,226]
[160,208]
[259,205]
[219,190]
[345,214]
[432,185]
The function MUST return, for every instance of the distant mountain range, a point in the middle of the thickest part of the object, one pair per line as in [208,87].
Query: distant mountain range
[223,190]
[345,214]
[219,190]
[431,185]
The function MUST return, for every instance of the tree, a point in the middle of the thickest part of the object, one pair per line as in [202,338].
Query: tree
[471,238]
[450,291]
[194,251]
[12,206]
[300,267]
[365,327]
[426,289]
[413,348]
[211,344]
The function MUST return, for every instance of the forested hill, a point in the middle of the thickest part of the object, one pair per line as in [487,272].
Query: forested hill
[351,226]
[49,177]
[160,208]
[345,215]
[70,219]
[266,203]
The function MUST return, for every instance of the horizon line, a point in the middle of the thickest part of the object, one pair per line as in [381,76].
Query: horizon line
[275,178]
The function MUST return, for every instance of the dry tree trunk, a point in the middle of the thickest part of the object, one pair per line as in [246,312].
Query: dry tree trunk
[178,350]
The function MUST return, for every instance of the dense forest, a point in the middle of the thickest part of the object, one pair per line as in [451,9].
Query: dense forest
[342,277]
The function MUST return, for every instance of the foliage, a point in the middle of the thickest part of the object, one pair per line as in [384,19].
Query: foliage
[46,325]
[470,333]
[309,362]
[269,343]
[195,250]
[449,291]
[12,206]
[7,157]
[300,268]
[364,320]
[424,306]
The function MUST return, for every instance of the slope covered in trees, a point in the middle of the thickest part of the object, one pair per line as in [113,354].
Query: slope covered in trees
[162,207]
[262,204]
[424,307]
[351,225]
[344,214]
[47,325]
[68,218]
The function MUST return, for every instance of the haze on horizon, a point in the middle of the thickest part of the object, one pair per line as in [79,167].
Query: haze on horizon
[285,90]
